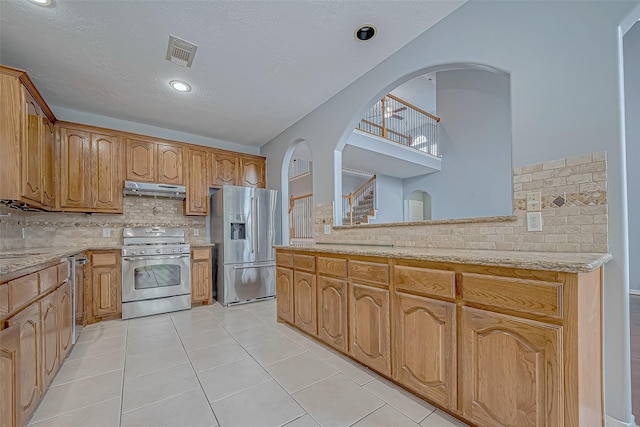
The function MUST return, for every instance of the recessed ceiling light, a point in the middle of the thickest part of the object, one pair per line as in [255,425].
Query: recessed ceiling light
[42,2]
[365,32]
[179,86]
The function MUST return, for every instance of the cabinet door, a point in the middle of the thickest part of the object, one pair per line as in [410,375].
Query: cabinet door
[284,293]
[252,172]
[141,160]
[64,319]
[106,291]
[10,376]
[224,169]
[200,281]
[28,321]
[75,169]
[332,312]
[48,163]
[304,293]
[170,164]
[424,347]
[511,370]
[50,355]
[31,152]
[107,182]
[197,202]
[369,326]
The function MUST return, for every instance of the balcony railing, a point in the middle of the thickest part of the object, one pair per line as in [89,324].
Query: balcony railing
[301,217]
[358,206]
[399,121]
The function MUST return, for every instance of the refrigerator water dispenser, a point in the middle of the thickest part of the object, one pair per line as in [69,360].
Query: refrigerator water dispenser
[238,231]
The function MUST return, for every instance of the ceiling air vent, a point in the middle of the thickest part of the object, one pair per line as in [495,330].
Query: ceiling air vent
[180,52]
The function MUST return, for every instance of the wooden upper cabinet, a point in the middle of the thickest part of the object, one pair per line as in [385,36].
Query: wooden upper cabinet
[24,141]
[225,169]
[48,163]
[151,161]
[107,181]
[32,152]
[511,370]
[75,169]
[253,172]
[170,168]
[141,160]
[197,202]
[91,170]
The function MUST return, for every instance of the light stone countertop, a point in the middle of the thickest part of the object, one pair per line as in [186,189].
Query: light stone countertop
[549,261]
[430,222]
[12,260]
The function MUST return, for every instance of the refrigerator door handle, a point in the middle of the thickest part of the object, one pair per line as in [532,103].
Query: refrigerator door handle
[257,224]
[253,227]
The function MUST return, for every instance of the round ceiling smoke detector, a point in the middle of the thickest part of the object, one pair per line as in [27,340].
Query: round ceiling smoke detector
[365,32]
[179,86]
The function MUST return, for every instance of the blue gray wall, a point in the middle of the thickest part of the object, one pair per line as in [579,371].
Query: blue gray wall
[632,108]
[563,58]
[389,199]
[475,142]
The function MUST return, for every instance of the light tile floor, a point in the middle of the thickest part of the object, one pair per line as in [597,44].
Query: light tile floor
[216,366]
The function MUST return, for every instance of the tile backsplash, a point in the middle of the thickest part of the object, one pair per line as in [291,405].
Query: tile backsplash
[574,215]
[41,229]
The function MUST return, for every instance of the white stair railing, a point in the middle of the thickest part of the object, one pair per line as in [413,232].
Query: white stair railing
[301,217]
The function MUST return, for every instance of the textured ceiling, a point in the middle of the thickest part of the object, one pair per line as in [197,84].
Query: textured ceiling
[260,65]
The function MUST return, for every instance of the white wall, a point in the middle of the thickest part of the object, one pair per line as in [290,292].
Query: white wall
[420,92]
[389,199]
[475,142]
[564,60]
[632,112]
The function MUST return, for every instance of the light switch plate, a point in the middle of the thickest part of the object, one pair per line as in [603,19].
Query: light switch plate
[106,232]
[327,229]
[534,201]
[534,221]
[196,232]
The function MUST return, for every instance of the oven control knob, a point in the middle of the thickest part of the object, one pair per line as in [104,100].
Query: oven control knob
[174,250]
[141,252]
[158,251]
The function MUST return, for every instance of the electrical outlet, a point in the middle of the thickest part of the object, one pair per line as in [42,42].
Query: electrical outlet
[327,229]
[196,232]
[106,232]
[534,201]
[534,221]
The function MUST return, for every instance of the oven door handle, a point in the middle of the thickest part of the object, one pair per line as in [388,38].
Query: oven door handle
[154,258]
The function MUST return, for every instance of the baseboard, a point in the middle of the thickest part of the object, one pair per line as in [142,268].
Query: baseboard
[612,422]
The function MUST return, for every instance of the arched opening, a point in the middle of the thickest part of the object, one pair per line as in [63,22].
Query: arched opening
[299,201]
[418,206]
[464,159]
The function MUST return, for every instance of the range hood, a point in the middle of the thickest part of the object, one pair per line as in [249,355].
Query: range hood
[157,190]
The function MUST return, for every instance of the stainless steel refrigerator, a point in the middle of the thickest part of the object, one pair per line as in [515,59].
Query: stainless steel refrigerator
[245,224]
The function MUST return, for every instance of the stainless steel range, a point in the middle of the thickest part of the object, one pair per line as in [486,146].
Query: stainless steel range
[155,271]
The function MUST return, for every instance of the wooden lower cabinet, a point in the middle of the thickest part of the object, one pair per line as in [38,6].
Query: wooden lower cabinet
[201,283]
[369,328]
[511,370]
[104,298]
[304,294]
[424,347]
[284,291]
[50,347]
[28,320]
[10,376]
[65,327]
[332,312]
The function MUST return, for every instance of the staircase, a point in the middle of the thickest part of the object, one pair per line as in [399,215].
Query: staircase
[362,210]
[360,206]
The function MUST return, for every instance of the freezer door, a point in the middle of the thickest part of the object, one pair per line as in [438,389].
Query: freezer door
[266,214]
[246,282]
[237,223]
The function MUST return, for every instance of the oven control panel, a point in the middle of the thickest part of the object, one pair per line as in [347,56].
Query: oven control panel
[151,250]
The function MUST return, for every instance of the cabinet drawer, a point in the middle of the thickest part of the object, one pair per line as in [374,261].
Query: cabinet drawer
[63,271]
[284,260]
[22,290]
[372,272]
[103,259]
[48,279]
[202,253]
[304,262]
[528,296]
[332,266]
[425,281]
